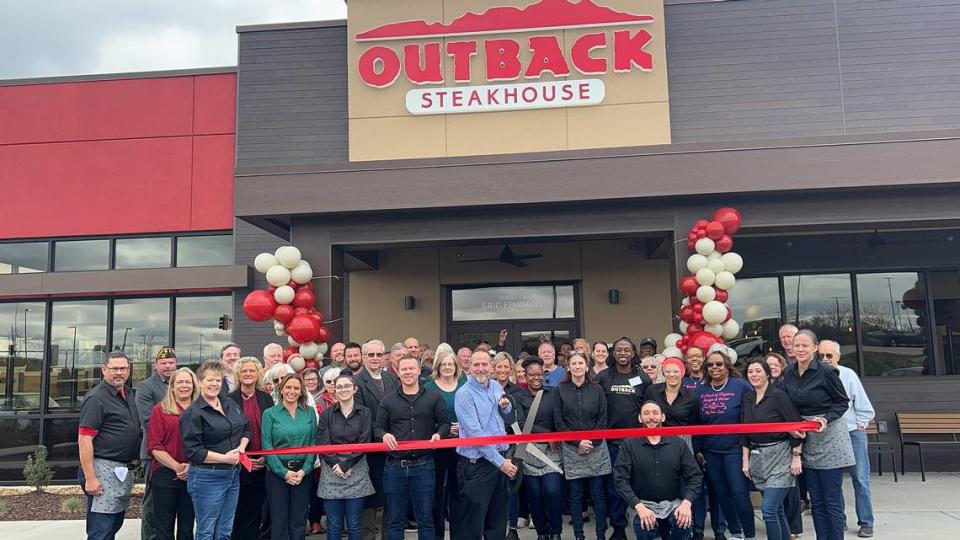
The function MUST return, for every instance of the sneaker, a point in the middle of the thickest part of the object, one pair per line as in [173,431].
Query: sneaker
[719,536]
[521,523]
[411,526]
[865,532]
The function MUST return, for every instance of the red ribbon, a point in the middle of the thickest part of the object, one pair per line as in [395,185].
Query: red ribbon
[716,429]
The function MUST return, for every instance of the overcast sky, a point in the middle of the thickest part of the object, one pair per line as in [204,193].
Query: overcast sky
[49,38]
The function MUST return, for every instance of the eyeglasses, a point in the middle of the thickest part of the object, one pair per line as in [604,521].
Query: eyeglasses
[829,355]
[340,387]
[715,364]
[120,369]
[375,355]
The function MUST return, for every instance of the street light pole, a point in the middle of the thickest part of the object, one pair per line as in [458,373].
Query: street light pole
[893,309]
[73,370]
[25,311]
[123,347]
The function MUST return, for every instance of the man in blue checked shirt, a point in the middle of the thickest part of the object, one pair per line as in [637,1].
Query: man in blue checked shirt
[482,471]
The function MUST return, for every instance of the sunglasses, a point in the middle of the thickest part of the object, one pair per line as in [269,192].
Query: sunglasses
[829,355]
[715,364]
[328,382]
[277,381]
[375,355]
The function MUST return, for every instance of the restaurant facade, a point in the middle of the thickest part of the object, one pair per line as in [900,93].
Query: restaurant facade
[452,168]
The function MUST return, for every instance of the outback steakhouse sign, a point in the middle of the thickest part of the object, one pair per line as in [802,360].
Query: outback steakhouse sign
[424,61]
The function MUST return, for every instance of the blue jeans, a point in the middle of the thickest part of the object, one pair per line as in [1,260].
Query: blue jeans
[826,502]
[676,533]
[616,507]
[774,517]
[860,474]
[598,495]
[731,488]
[214,493]
[339,510]
[544,496]
[100,526]
[406,486]
[717,522]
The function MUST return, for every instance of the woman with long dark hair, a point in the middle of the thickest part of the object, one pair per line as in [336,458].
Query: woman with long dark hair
[582,405]
[818,394]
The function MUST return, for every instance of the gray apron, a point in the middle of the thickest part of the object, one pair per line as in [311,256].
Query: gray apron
[770,466]
[116,492]
[831,449]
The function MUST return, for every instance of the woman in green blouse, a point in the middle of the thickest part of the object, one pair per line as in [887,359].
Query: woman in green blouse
[289,423]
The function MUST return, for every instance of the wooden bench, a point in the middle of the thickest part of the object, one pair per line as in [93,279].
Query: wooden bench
[944,428]
[876,444]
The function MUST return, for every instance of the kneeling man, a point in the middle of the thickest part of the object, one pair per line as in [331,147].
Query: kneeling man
[648,475]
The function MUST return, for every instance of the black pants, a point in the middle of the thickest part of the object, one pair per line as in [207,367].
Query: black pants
[171,507]
[316,503]
[446,498]
[289,506]
[148,524]
[485,495]
[246,522]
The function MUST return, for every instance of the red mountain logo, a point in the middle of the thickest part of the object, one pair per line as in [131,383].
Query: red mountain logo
[543,15]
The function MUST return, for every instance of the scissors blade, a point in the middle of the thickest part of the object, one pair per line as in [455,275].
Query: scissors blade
[522,449]
[535,452]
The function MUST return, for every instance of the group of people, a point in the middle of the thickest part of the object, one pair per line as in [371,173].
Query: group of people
[195,426]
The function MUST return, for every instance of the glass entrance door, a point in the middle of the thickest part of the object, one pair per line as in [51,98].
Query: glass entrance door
[521,336]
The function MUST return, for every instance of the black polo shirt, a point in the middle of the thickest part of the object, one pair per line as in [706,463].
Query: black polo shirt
[818,392]
[203,429]
[652,472]
[110,417]
[685,409]
[411,418]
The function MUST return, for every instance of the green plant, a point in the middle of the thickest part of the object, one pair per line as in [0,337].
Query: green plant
[3,507]
[37,473]
[72,505]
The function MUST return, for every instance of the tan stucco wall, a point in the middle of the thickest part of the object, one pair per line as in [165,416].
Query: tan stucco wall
[635,111]
[376,298]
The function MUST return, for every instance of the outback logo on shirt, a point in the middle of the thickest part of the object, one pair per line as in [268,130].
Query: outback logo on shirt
[624,389]
[433,55]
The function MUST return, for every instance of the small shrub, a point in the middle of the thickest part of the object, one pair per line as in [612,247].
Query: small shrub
[72,505]
[3,507]
[37,473]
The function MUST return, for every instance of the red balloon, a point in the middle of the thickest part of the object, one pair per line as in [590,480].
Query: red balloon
[316,315]
[729,217]
[308,285]
[289,351]
[304,298]
[701,234]
[697,307]
[693,329]
[271,289]
[689,285]
[724,244]
[322,335]
[283,314]
[698,318]
[692,237]
[303,329]
[714,230]
[293,284]
[703,340]
[686,314]
[691,246]
[722,295]
[729,314]
[301,311]
[701,224]
[259,305]
[311,363]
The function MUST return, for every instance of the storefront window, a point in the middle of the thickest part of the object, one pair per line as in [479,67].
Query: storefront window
[824,304]
[23,257]
[21,355]
[197,337]
[142,253]
[214,250]
[140,328]
[755,303]
[78,342]
[81,255]
[893,324]
[513,302]
[19,437]
[61,442]
[945,288]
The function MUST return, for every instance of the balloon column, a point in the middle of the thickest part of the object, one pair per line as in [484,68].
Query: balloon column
[705,317]
[289,301]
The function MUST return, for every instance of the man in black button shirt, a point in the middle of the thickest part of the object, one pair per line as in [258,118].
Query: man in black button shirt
[648,473]
[624,384]
[109,440]
[412,413]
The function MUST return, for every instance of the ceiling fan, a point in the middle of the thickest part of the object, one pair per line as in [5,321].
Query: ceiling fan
[507,256]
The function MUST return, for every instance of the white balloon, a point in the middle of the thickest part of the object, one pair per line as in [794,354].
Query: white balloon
[705,246]
[696,262]
[302,273]
[671,340]
[716,264]
[714,255]
[323,349]
[296,362]
[706,277]
[672,352]
[309,350]
[281,333]
[706,293]
[277,325]
[288,256]
[278,275]
[683,327]
[732,354]
[725,280]
[732,262]
[292,342]
[284,294]
[264,262]
[714,312]
[685,302]
[715,329]
[731,329]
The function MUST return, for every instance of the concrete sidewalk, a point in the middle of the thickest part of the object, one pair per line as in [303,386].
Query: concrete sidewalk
[910,509]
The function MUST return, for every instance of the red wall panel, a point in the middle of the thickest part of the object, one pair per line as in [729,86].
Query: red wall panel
[117,157]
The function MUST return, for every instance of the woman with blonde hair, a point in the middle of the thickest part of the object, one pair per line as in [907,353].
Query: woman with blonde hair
[253,402]
[446,379]
[172,505]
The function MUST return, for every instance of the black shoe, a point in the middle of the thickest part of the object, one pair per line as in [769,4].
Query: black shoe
[555,537]
[512,535]
[697,536]
[618,534]
[865,532]
[719,536]
[543,537]
[411,526]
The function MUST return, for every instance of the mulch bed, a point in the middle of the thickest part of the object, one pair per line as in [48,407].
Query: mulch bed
[44,506]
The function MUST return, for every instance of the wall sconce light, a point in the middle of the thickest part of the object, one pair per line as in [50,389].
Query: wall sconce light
[409,302]
[613,296]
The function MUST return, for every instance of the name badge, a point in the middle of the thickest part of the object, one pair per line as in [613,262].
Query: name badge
[635,381]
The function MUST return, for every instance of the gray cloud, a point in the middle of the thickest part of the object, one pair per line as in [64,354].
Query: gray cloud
[56,37]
